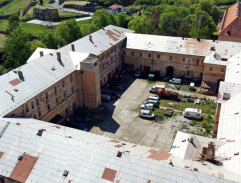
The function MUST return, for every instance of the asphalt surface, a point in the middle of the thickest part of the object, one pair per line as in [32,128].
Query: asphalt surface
[121,119]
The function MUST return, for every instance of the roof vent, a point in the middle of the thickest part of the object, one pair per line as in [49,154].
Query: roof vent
[20,74]
[51,54]
[53,68]
[40,132]
[198,39]
[212,48]
[72,47]
[183,38]
[20,157]
[226,96]
[14,71]
[119,154]
[58,56]
[224,59]
[90,37]
[15,89]
[41,53]
[66,172]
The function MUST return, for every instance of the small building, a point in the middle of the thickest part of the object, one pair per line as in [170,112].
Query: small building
[80,5]
[45,14]
[115,8]
[229,29]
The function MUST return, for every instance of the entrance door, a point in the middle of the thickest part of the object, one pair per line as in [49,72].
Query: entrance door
[147,69]
[170,71]
[109,76]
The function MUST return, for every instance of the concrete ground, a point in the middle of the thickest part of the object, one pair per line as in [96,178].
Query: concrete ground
[121,119]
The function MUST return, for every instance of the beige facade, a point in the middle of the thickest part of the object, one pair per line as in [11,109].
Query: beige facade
[214,73]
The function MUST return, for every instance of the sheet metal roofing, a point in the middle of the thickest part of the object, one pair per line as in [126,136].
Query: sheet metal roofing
[233,70]
[177,45]
[36,53]
[38,75]
[54,154]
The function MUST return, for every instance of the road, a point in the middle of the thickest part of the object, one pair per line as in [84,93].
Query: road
[56,5]
[47,23]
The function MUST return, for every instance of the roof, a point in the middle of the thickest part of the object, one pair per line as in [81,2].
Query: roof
[38,74]
[62,154]
[178,45]
[232,89]
[36,53]
[231,22]
[215,59]
[115,6]
[233,70]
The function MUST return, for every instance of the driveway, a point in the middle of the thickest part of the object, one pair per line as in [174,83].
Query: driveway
[121,120]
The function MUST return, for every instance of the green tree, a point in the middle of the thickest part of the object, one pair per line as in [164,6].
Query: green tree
[111,19]
[88,29]
[140,24]
[100,18]
[36,44]
[13,23]
[68,30]
[120,20]
[52,40]
[203,25]
[54,15]
[16,49]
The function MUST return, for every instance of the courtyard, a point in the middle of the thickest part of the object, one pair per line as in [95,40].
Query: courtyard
[121,118]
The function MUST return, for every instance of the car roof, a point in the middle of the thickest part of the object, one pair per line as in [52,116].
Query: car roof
[144,110]
[193,110]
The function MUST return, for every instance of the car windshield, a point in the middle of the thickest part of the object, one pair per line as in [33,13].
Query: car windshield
[150,113]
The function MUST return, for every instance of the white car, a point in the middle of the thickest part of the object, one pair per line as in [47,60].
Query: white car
[175,81]
[192,113]
[146,114]
[147,106]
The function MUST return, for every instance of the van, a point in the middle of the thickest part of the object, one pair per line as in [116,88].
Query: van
[147,106]
[146,114]
[192,113]
[152,97]
[105,97]
[175,81]
[155,103]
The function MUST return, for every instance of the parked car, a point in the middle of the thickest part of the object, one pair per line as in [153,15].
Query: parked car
[118,88]
[192,113]
[112,97]
[153,97]
[137,73]
[175,81]
[105,97]
[155,88]
[192,86]
[116,94]
[154,102]
[146,114]
[147,106]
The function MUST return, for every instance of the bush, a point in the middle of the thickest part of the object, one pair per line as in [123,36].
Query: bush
[192,123]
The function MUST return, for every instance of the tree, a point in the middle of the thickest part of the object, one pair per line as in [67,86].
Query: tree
[52,40]
[36,44]
[155,21]
[111,19]
[203,25]
[54,15]
[41,2]
[88,29]
[16,49]
[100,18]
[120,19]
[68,30]
[140,24]
[13,23]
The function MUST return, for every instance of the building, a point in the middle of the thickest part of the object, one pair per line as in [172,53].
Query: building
[36,151]
[115,8]
[45,14]
[80,5]
[229,29]
[54,83]
[205,60]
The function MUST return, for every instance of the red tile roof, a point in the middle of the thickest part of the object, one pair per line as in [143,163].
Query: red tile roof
[116,6]
[231,22]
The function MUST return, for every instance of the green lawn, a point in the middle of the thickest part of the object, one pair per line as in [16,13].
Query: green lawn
[3,25]
[83,22]
[2,39]
[34,29]
[14,7]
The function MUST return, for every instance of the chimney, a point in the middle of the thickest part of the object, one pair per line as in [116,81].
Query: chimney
[183,38]
[20,74]
[90,37]
[72,47]
[41,53]
[58,56]
[198,39]
[212,48]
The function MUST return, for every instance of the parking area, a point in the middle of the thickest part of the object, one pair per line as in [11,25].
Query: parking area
[121,119]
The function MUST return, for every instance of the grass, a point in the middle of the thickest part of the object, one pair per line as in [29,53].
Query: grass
[204,127]
[34,29]
[3,38]
[3,25]
[14,7]
[160,112]
[209,108]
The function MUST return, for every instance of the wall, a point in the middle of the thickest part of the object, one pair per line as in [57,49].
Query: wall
[28,7]
[229,38]
[183,65]
[213,72]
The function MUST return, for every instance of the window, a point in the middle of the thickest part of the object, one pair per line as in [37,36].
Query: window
[37,102]
[132,53]
[64,94]
[170,57]
[39,113]
[72,88]
[222,69]
[27,108]
[55,90]
[71,78]
[158,56]
[34,116]
[141,54]
[149,55]
[124,52]
[183,59]
[63,83]
[197,62]
[211,68]
[57,101]
[32,105]
[47,96]
[48,106]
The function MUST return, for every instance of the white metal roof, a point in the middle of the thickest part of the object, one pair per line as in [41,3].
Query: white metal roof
[36,53]
[85,160]
[233,70]
[177,45]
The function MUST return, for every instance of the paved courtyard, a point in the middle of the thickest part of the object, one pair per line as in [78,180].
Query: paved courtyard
[121,120]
